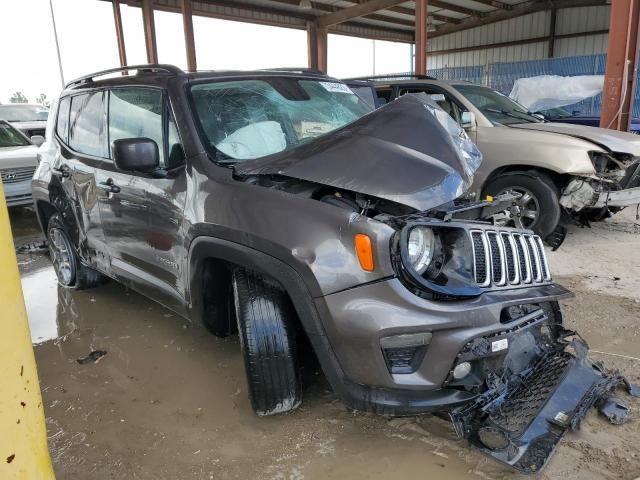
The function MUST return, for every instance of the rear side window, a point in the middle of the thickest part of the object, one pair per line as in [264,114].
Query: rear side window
[87,130]
[443,100]
[366,93]
[62,123]
[384,95]
[136,113]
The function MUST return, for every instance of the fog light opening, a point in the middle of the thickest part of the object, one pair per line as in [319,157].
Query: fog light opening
[493,438]
[462,370]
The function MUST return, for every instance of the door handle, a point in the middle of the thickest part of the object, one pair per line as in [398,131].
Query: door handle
[63,171]
[109,186]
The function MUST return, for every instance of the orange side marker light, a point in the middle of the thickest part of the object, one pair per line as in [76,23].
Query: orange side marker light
[364,250]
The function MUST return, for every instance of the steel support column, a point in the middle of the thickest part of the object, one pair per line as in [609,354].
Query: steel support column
[552,32]
[189,42]
[149,25]
[421,37]
[317,46]
[117,20]
[622,64]
[312,45]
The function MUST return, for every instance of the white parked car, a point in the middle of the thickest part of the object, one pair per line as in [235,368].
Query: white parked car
[29,119]
[18,161]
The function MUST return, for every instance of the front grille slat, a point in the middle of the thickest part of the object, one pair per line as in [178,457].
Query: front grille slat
[480,258]
[510,257]
[497,258]
[546,274]
[535,260]
[16,175]
[504,258]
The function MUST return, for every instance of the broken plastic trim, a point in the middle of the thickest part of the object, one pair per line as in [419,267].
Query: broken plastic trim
[520,420]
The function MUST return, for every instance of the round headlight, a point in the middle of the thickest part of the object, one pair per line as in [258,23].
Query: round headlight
[422,243]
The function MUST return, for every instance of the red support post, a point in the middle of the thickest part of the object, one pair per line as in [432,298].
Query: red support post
[322,35]
[189,41]
[421,37]
[149,25]
[117,20]
[622,64]
[317,47]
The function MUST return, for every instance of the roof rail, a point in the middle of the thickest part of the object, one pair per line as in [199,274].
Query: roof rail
[140,68]
[312,71]
[412,76]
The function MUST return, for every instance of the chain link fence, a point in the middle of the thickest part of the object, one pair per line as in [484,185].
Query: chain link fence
[501,76]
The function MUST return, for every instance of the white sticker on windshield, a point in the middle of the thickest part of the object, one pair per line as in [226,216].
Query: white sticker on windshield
[336,87]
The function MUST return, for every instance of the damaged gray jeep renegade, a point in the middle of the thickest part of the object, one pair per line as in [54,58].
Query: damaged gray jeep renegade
[277,205]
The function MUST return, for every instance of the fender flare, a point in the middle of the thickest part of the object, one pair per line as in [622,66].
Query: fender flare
[310,310]
[59,202]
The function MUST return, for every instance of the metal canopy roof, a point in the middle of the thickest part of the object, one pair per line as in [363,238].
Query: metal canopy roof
[378,19]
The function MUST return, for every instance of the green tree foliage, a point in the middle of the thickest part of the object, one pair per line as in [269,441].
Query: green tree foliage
[43,100]
[18,97]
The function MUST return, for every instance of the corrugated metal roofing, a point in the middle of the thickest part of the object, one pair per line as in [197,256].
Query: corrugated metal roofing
[592,21]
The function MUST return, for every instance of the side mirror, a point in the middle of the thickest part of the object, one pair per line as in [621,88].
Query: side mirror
[136,155]
[468,120]
[37,140]
[539,116]
[576,113]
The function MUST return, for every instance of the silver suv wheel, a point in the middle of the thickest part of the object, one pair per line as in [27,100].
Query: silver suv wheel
[523,212]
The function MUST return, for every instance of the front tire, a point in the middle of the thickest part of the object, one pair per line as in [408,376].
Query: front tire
[268,343]
[537,209]
[69,269]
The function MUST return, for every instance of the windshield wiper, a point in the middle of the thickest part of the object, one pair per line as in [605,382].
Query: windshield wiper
[510,114]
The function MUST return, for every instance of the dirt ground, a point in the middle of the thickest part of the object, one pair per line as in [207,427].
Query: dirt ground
[168,400]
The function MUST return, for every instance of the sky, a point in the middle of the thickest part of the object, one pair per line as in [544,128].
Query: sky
[88,43]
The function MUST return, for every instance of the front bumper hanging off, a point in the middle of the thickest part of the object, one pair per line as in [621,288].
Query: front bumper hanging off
[618,198]
[584,193]
[519,422]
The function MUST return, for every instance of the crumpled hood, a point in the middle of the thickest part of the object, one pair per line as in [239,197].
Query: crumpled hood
[401,152]
[611,140]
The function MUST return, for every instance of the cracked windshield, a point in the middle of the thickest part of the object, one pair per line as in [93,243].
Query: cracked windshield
[248,119]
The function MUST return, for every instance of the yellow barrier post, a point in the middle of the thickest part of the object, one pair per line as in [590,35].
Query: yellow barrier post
[23,435]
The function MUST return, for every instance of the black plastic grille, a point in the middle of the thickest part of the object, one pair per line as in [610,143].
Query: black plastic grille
[403,359]
[534,265]
[523,404]
[512,272]
[496,257]
[480,256]
[522,261]
[508,258]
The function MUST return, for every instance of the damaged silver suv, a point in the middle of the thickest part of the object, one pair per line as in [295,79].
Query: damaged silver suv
[278,205]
